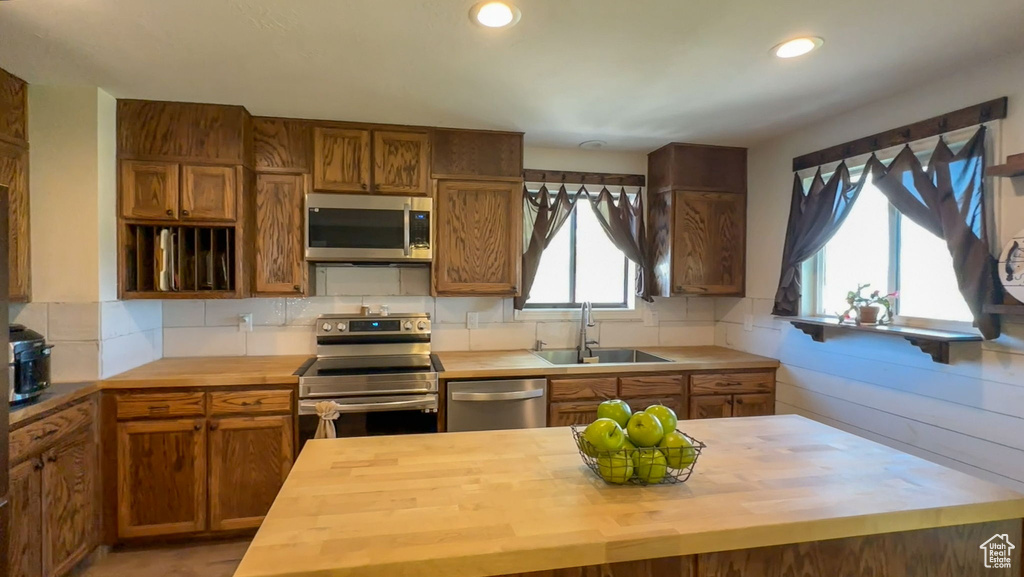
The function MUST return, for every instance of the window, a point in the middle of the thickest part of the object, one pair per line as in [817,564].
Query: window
[581,264]
[878,245]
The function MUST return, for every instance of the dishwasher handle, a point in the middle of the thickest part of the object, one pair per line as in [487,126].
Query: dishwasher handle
[506,396]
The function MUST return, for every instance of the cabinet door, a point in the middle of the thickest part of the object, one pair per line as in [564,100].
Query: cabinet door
[479,244]
[161,477]
[341,160]
[401,163]
[69,503]
[249,460]
[14,174]
[208,193]
[280,257]
[25,548]
[711,407]
[565,414]
[753,405]
[708,257]
[149,190]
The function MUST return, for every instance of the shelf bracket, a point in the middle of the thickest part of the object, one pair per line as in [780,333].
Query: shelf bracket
[816,332]
[939,350]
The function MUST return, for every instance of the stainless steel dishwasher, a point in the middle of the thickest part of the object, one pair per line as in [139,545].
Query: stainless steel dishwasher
[491,405]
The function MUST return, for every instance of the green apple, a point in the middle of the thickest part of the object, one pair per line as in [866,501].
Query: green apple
[678,450]
[602,435]
[650,465]
[664,414]
[644,430]
[615,467]
[616,410]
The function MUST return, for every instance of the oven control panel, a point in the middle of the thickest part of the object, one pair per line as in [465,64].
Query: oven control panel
[355,325]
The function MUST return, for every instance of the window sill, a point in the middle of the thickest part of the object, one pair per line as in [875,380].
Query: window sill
[574,315]
[932,341]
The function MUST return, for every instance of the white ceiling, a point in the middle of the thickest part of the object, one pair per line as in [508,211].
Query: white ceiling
[637,73]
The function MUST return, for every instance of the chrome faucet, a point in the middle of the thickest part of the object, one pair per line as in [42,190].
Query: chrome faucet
[586,320]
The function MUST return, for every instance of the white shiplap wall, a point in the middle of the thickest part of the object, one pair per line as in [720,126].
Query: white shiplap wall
[968,415]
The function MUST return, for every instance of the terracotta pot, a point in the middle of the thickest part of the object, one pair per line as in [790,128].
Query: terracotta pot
[868,315]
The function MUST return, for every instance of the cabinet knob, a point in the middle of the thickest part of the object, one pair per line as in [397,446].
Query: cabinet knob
[170,212]
[213,426]
[51,459]
[739,401]
[198,427]
[38,464]
[184,213]
[297,288]
[363,186]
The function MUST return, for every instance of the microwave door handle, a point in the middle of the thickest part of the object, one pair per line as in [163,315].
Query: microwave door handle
[408,208]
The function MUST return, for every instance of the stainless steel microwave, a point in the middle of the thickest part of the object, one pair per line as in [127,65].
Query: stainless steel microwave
[361,228]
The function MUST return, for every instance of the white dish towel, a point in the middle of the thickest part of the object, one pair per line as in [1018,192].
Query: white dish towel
[328,411]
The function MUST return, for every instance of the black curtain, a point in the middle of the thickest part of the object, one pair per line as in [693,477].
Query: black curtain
[624,225]
[543,216]
[948,199]
[814,218]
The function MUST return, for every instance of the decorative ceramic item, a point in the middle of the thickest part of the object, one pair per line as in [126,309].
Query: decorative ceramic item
[1011,266]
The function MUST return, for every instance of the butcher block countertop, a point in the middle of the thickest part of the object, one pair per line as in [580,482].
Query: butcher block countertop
[56,395]
[211,371]
[523,363]
[506,502]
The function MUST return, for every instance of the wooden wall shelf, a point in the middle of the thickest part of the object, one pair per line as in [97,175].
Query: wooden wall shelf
[1014,167]
[934,342]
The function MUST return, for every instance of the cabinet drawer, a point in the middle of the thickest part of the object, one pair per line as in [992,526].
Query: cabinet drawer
[573,389]
[235,402]
[650,386]
[36,437]
[728,383]
[160,405]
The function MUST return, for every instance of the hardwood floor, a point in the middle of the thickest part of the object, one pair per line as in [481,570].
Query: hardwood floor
[216,559]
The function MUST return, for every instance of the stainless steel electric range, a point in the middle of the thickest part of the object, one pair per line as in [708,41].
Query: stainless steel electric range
[379,371]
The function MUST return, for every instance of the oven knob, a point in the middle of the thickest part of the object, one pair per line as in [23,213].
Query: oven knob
[422,325]
[326,327]
[407,326]
[342,327]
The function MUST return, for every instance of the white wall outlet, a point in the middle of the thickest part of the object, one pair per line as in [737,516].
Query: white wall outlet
[472,320]
[245,322]
[748,322]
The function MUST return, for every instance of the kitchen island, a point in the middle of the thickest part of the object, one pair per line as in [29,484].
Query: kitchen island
[770,496]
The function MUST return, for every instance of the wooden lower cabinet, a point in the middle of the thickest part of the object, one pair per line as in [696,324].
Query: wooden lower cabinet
[710,407]
[572,413]
[717,406]
[249,460]
[25,547]
[161,477]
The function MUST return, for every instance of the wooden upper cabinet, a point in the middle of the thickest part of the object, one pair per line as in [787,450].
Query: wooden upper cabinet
[183,132]
[710,243]
[280,266]
[208,192]
[25,546]
[479,244]
[401,162]
[161,477]
[149,190]
[14,175]
[70,503]
[341,159]
[249,460]
[680,166]
[13,109]
[476,154]
[281,144]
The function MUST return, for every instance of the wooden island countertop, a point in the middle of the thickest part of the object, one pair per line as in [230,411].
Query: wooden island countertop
[508,502]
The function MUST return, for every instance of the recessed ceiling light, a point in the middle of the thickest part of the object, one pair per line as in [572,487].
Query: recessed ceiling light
[797,47]
[593,144]
[495,14]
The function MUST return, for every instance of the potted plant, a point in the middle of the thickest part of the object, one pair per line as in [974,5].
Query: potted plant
[867,308]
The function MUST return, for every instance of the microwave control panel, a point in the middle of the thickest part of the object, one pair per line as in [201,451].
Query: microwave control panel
[419,229]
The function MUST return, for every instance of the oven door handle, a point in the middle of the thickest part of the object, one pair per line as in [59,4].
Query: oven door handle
[507,396]
[309,408]
[406,224]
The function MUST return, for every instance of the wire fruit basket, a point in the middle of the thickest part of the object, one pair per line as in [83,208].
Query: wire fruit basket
[642,465]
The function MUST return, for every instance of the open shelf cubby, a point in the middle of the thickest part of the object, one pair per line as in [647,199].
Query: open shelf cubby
[179,260]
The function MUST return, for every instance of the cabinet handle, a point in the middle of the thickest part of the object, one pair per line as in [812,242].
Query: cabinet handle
[363,186]
[38,464]
[184,213]
[198,426]
[170,212]
[297,288]
[51,459]
[739,401]
[213,426]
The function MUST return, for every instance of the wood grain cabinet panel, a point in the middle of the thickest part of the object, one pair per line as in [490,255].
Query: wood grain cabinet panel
[572,413]
[753,405]
[14,174]
[711,407]
[650,386]
[183,132]
[280,254]
[281,144]
[160,405]
[25,547]
[41,435]
[13,108]
[250,402]
[401,163]
[208,192]
[665,567]
[731,383]
[70,485]
[161,477]
[341,159]
[711,243]
[249,460]
[149,190]
[577,389]
[479,244]
[476,154]
[676,403]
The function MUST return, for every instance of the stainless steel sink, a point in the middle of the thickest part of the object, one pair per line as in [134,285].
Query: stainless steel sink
[568,356]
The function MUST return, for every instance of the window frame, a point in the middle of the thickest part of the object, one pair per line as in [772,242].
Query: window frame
[627,303]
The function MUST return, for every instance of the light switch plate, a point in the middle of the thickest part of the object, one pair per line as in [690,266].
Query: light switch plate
[748,322]
[472,320]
